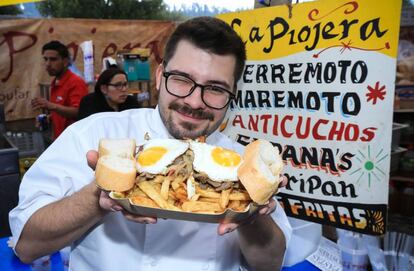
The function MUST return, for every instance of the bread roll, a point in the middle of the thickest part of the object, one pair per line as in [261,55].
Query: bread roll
[114,173]
[115,170]
[123,147]
[260,170]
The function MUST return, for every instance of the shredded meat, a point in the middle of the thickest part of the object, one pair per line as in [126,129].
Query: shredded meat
[183,166]
[205,182]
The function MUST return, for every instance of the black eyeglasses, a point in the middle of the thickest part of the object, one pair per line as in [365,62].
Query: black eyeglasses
[120,85]
[182,86]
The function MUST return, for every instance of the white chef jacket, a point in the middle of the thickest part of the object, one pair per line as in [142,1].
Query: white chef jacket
[117,243]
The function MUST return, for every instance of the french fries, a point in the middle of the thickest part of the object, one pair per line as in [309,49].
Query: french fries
[165,187]
[153,194]
[170,192]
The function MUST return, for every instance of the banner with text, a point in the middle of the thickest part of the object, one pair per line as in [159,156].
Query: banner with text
[21,65]
[319,84]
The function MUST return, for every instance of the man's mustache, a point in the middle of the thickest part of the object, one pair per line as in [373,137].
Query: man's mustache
[196,113]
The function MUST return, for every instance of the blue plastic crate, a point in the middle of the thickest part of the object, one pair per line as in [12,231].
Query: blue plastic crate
[136,67]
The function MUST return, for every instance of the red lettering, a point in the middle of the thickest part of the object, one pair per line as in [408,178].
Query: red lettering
[368,134]
[9,40]
[74,48]
[253,123]
[283,126]
[153,45]
[305,133]
[315,129]
[265,119]
[275,125]
[238,121]
[109,50]
[336,132]
[351,129]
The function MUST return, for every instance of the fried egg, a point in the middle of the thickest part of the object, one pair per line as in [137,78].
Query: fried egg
[158,154]
[218,163]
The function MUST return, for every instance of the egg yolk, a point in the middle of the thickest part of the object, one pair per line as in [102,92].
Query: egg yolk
[151,156]
[226,158]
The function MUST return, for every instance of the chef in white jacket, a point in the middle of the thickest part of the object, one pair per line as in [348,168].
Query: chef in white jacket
[60,205]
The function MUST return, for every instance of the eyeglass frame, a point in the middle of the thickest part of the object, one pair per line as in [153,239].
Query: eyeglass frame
[119,86]
[166,75]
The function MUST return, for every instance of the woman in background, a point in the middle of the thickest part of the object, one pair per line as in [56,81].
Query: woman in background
[111,94]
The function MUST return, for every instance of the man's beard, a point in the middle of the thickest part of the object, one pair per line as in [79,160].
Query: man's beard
[56,73]
[185,129]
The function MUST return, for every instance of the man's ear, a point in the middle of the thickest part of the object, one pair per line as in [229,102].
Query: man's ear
[158,76]
[66,62]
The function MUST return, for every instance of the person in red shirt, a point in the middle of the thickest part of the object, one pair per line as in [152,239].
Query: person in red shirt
[66,90]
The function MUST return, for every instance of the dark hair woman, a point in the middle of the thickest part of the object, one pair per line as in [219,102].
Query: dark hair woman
[111,94]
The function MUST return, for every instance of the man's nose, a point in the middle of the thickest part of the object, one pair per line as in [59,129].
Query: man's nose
[195,99]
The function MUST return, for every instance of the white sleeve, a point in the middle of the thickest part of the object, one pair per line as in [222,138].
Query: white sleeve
[60,171]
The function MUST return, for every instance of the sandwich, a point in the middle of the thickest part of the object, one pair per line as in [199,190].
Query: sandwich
[192,176]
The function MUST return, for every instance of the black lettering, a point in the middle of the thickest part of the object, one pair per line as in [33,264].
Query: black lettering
[363,72]
[312,101]
[261,72]
[351,98]
[317,70]
[329,73]
[346,26]
[294,72]
[326,31]
[346,162]
[309,156]
[248,70]
[289,153]
[295,100]
[344,64]
[345,188]
[274,36]
[279,98]
[304,31]
[255,35]
[317,28]
[330,100]
[277,72]
[371,27]
[329,189]
[263,98]
[249,100]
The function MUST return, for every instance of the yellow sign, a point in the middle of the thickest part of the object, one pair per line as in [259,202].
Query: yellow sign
[15,2]
[283,30]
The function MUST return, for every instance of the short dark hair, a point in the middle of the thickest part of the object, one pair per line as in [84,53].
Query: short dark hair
[105,78]
[58,47]
[211,34]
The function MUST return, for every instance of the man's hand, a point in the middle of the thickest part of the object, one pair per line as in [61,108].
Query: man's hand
[265,210]
[42,103]
[109,204]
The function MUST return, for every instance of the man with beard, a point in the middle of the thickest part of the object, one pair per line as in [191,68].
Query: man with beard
[61,205]
[66,90]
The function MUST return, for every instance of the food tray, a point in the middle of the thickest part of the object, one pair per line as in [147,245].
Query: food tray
[227,216]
